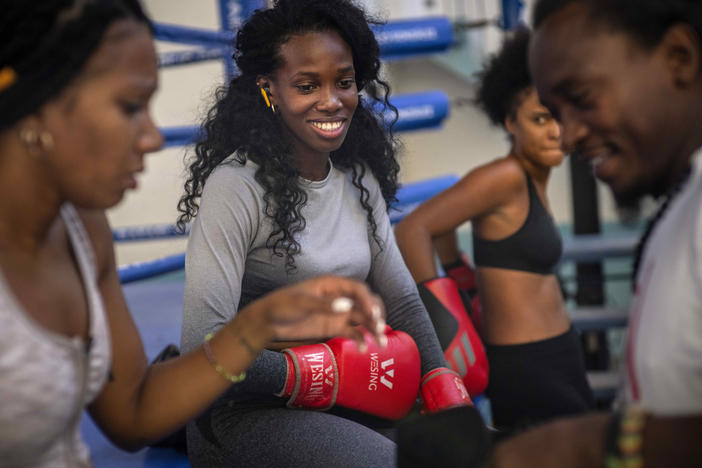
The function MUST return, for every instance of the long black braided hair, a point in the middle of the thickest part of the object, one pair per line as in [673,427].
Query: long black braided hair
[241,125]
[668,198]
[46,43]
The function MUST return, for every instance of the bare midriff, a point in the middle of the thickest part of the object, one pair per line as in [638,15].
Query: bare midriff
[520,307]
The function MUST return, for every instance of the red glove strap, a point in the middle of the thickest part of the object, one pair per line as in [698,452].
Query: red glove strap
[316,377]
[289,378]
[443,388]
[463,274]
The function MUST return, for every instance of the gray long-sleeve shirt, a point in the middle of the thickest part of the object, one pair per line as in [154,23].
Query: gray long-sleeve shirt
[228,264]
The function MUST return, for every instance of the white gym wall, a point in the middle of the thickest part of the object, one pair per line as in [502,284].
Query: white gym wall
[465,140]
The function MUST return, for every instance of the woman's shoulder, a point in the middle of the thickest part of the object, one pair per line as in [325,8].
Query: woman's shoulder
[503,174]
[505,167]
[231,176]
[234,168]
[232,188]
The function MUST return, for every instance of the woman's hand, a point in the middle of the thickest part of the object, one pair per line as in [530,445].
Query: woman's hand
[321,308]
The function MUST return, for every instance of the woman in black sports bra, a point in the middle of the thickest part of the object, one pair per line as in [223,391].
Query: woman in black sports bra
[536,366]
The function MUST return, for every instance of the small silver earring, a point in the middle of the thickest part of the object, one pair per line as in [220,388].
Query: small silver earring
[37,141]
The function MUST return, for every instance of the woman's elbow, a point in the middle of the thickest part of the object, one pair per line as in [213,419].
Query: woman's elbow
[131,440]
[129,443]
[409,230]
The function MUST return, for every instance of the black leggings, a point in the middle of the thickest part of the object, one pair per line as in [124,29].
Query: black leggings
[534,382]
[275,436]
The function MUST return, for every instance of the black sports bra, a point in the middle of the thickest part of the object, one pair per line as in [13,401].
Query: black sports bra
[536,247]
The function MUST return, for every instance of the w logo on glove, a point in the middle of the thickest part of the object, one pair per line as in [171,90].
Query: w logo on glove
[373,383]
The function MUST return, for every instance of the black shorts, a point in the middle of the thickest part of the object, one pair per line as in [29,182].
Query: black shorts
[533,382]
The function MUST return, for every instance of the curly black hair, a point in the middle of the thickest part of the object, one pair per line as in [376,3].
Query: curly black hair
[645,20]
[47,43]
[240,124]
[504,78]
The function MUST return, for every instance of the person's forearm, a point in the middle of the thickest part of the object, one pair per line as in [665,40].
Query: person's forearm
[446,246]
[173,392]
[415,243]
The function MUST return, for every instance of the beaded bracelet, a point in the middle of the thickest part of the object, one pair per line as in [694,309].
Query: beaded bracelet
[625,439]
[220,370]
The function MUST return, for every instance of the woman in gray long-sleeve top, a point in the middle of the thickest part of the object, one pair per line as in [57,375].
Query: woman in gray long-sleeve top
[76,82]
[291,180]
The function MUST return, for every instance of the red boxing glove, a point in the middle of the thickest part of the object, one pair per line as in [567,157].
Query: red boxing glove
[442,388]
[463,274]
[461,344]
[380,381]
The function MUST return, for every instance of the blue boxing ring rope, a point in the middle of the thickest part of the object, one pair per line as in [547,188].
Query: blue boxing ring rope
[398,40]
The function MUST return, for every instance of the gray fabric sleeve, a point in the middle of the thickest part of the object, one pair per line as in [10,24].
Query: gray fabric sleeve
[390,278]
[226,225]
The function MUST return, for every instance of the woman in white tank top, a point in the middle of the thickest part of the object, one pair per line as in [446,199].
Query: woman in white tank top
[76,78]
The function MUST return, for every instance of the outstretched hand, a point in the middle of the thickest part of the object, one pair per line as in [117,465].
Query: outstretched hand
[322,308]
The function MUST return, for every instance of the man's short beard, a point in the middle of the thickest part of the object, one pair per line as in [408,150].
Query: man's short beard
[628,206]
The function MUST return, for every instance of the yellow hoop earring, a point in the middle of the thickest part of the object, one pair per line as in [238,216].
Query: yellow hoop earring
[265,97]
[8,76]
[268,101]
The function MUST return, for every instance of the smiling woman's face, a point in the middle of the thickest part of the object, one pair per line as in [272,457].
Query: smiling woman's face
[315,91]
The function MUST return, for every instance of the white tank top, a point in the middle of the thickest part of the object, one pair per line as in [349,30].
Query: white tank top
[47,379]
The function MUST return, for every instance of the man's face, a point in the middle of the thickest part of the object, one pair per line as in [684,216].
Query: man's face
[615,99]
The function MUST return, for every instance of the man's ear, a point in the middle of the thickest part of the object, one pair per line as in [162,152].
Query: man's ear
[682,48]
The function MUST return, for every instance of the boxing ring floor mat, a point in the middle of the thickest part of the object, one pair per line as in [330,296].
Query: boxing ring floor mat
[156,306]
